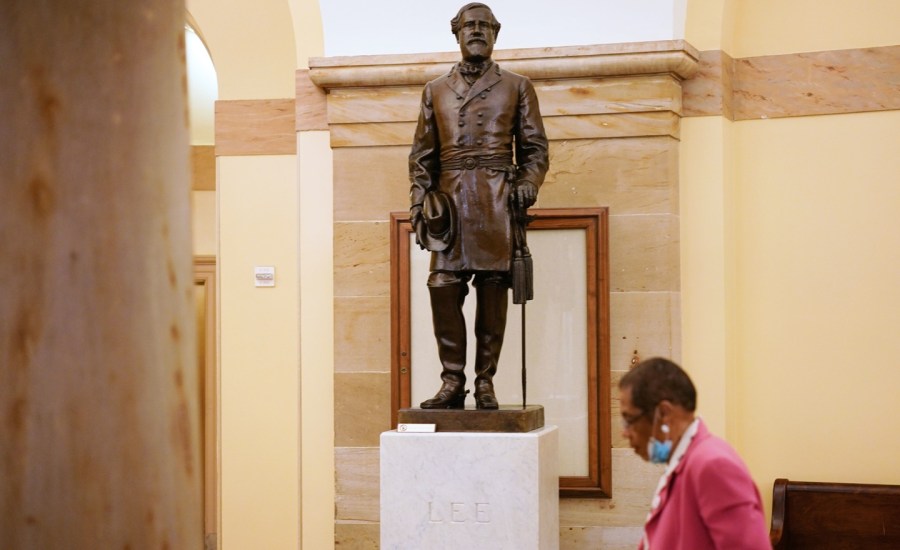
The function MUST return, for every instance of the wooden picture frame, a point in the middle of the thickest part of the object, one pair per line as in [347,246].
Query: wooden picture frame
[578,391]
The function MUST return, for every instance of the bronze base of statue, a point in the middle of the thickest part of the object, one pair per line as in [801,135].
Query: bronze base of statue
[506,418]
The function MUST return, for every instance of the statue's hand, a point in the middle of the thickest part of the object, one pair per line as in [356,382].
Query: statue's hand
[526,194]
[418,223]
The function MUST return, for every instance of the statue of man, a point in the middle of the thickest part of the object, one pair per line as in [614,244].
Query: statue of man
[479,145]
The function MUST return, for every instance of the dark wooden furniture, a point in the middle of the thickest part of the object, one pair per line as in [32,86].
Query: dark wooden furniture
[832,516]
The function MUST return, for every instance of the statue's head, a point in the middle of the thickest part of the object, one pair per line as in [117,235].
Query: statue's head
[476,30]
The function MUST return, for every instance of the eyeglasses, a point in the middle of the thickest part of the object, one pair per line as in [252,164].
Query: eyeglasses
[628,421]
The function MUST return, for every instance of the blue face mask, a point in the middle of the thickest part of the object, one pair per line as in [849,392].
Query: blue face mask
[659,451]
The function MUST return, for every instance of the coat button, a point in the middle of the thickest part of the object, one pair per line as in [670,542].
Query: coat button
[462,123]
[483,95]
[479,142]
[480,114]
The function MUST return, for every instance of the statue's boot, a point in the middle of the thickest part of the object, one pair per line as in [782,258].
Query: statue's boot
[450,333]
[490,325]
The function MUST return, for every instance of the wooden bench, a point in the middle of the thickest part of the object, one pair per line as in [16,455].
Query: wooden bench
[827,516]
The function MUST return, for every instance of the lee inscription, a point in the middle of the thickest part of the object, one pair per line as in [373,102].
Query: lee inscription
[459,512]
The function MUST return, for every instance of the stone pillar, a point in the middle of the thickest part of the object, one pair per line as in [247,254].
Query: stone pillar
[98,379]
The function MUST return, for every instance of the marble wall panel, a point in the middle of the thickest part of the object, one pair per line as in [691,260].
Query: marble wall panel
[256,127]
[203,168]
[357,536]
[609,95]
[799,84]
[615,414]
[370,182]
[371,134]
[661,123]
[311,105]
[642,323]
[643,253]
[607,538]
[710,90]
[362,408]
[630,175]
[646,322]
[357,485]
[556,97]
[362,259]
[817,83]
[633,484]
[362,333]
[380,104]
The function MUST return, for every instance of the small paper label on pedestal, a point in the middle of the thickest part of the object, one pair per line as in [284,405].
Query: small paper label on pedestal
[415,428]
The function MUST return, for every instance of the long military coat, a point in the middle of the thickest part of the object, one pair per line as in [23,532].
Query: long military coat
[496,116]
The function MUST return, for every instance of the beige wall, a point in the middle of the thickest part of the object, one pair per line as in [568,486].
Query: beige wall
[275,430]
[769,27]
[790,258]
[259,375]
[818,299]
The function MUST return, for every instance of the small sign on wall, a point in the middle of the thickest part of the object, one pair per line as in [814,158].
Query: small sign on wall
[264,275]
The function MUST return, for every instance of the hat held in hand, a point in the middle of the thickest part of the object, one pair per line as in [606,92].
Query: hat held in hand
[439,217]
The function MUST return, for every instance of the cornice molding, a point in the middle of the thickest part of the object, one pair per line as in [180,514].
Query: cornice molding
[675,57]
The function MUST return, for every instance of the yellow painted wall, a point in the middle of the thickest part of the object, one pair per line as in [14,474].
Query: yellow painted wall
[819,297]
[259,364]
[706,183]
[769,27]
[308,33]
[709,24]
[746,28]
[791,258]
[251,44]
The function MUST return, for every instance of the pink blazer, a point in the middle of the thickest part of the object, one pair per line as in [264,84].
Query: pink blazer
[709,501]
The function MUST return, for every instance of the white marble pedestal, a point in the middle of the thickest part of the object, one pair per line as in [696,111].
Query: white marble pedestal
[470,490]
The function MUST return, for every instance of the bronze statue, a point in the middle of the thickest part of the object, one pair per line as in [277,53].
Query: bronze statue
[479,149]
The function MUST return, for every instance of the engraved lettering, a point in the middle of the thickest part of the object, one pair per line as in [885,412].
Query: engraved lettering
[458,512]
[433,515]
[482,512]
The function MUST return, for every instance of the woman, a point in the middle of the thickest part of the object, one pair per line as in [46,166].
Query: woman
[706,497]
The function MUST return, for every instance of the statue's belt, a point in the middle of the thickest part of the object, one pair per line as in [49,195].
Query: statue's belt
[471,163]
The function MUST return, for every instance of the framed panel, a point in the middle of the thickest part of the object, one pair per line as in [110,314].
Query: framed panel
[566,336]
